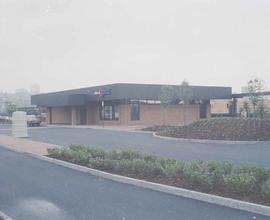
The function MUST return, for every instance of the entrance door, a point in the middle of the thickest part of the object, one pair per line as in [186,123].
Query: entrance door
[203,110]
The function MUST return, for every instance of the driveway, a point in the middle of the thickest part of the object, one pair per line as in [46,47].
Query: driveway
[258,153]
[31,189]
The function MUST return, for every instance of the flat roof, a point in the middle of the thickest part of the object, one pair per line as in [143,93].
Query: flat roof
[122,91]
[242,95]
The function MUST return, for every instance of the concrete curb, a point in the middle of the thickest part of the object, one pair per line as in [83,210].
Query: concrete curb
[106,128]
[4,216]
[216,200]
[205,141]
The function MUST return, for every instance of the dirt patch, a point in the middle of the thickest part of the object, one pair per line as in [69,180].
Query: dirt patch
[233,129]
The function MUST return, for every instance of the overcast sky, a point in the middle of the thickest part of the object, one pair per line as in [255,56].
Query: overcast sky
[62,44]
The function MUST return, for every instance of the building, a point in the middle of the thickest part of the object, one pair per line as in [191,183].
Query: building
[235,105]
[126,104]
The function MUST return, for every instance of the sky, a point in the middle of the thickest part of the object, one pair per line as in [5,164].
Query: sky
[64,44]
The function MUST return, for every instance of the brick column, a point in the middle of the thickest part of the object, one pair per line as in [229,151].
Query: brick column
[49,115]
[73,116]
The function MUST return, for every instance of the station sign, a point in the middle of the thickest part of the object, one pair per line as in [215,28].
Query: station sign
[103,92]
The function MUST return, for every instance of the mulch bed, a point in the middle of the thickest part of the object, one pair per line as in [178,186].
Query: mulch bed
[181,183]
[233,129]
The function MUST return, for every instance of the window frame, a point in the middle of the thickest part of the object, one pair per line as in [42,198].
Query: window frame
[113,106]
[135,115]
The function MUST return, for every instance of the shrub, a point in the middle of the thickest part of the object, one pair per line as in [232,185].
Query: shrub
[81,157]
[67,154]
[123,155]
[197,172]
[259,173]
[172,167]
[266,189]
[97,153]
[217,171]
[54,152]
[242,183]
[204,175]
[150,158]
[130,155]
[140,166]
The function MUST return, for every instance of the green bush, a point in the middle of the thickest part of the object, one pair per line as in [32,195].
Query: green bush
[123,155]
[217,170]
[150,158]
[197,172]
[96,152]
[172,167]
[203,175]
[54,152]
[242,183]
[142,167]
[259,173]
[266,189]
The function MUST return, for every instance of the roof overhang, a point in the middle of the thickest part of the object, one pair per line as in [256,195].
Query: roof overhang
[122,91]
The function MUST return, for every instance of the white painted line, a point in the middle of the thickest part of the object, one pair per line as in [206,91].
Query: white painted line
[4,216]
[216,200]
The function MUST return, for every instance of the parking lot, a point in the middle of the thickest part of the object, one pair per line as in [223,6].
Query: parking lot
[257,153]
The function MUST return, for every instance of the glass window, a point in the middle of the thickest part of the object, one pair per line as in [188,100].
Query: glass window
[116,112]
[109,112]
[135,111]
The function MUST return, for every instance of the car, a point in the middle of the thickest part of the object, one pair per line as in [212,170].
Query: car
[33,120]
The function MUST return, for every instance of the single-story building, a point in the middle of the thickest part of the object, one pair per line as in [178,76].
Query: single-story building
[126,104]
[234,106]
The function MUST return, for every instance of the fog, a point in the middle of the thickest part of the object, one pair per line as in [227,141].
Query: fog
[63,44]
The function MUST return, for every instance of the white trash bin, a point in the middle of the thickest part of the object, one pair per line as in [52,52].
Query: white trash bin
[19,124]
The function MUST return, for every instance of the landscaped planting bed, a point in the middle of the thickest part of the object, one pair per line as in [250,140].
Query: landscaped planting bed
[233,129]
[246,182]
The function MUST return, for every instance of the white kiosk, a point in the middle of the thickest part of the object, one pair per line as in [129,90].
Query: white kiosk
[19,124]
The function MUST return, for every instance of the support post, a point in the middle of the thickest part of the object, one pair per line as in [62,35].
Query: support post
[73,116]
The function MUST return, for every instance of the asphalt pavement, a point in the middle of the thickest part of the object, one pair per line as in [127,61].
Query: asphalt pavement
[258,153]
[32,189]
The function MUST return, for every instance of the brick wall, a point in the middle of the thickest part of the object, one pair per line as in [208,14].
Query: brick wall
[61,115]
[150,114]
[169,115]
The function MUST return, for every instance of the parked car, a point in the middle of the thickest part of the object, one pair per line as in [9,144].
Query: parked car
[33,120]
[5,120]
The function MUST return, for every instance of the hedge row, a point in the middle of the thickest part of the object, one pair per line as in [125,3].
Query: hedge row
[240,181]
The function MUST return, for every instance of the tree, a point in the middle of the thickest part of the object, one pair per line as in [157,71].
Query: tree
[261,110]
[184,94]
[246,108]
[167,95]
[176,94]
[34,89]
[10,108]
[255,87]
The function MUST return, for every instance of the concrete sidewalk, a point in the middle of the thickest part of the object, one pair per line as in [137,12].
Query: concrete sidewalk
[100,127]
[25,145]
